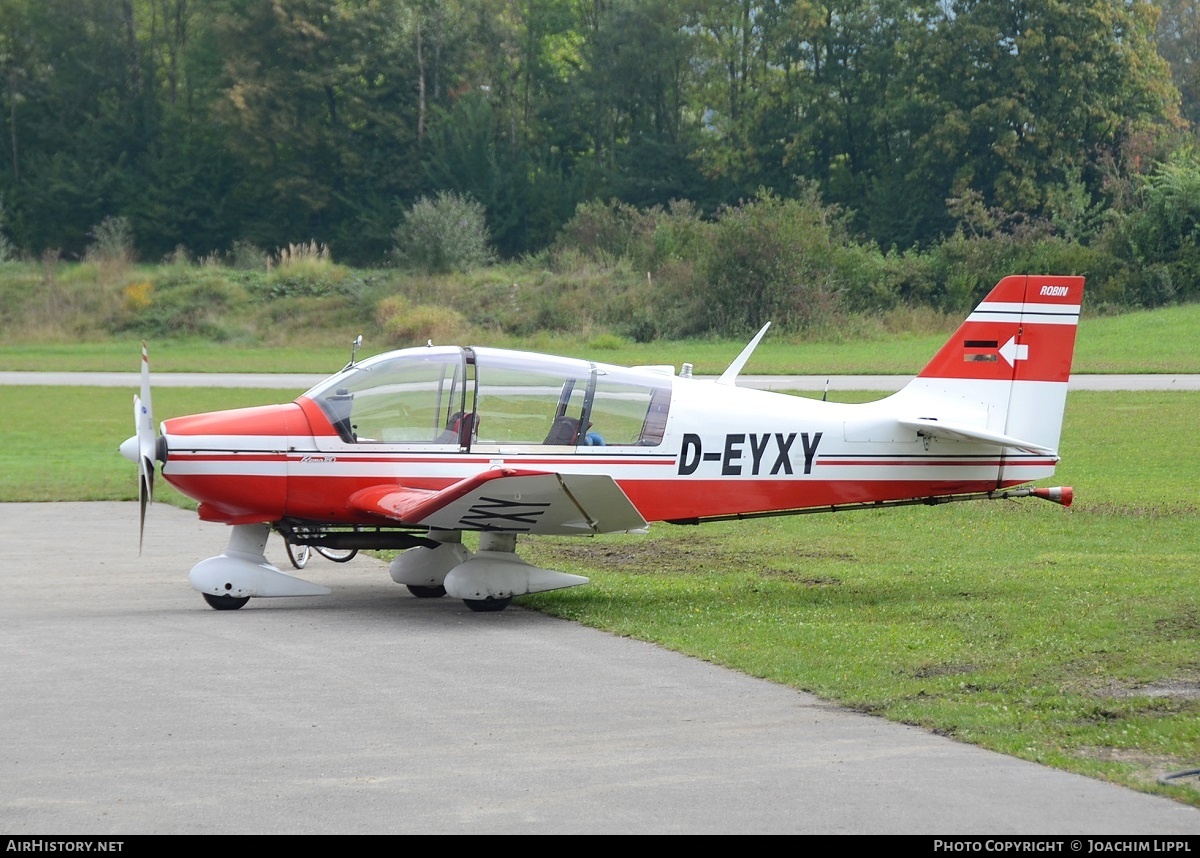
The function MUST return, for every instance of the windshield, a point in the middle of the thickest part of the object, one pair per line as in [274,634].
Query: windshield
[417,395]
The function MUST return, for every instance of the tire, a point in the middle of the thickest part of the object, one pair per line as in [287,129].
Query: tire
[337,555]
[298,554]
[225,603]
[488,606]
[426,592]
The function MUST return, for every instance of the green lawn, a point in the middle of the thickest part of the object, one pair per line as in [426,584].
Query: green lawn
[1062,636]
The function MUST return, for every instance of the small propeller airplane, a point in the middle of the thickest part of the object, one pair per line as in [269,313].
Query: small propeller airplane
[409,449]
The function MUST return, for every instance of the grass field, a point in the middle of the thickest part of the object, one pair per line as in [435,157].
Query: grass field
[1155,341]
[1063,636]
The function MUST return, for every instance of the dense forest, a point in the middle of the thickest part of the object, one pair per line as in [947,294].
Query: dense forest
[198,126]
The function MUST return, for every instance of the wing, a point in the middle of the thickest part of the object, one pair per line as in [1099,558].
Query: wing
[505,499]
[960,432]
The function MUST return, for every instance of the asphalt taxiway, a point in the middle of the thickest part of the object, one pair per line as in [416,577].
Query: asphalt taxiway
[129,707]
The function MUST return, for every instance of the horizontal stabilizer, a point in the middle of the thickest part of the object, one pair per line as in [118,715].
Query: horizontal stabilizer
[510,500]
[931,427]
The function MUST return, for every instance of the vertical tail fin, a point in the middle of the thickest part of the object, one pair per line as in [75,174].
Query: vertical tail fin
[1008,364]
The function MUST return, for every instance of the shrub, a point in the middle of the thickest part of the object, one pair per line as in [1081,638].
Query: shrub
[7,251]
[178,257]
[306,271]
[181,303]
[963,269]
[299,254]
[138,297]
[407,324]
[605,232]
[1160,241]
[680,235]
[444,234]
[606,342]
[608,233]
[112,241]
[880,284]
[248,256]
[775,260]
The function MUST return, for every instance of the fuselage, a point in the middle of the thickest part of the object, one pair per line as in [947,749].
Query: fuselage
[679,448]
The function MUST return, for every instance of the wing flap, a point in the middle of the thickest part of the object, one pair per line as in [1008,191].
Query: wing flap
[396,502]
[534,502]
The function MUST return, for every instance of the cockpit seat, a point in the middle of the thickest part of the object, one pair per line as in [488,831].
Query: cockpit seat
[458,429]
[564,431]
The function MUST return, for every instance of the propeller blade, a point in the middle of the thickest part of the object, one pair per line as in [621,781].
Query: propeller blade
[145,491]
[147,445]
[144,425]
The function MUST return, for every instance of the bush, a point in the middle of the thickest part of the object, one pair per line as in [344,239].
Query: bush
[7,251]
[1160,241]
[445,234]
[304,271]
[879,284]
[300,254]
[181,302]
[112,241]
[607,233]
[604,232]
[248,256]
[680,236]
[774,260]
[964,269]
[310,279]
[606,342]
[407,324]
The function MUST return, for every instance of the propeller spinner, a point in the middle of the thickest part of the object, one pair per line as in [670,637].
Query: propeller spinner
[143,447]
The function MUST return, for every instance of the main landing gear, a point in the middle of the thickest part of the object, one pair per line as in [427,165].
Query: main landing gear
[486,580]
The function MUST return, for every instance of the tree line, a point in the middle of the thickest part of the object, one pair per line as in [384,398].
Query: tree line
[202,123]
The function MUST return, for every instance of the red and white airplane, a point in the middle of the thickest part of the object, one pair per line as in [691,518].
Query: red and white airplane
[410,448]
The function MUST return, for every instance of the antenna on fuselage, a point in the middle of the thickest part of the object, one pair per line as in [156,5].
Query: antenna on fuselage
[354,347]
[729,376]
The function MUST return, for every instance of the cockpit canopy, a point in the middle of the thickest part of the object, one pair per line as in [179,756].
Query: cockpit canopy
[479,398]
